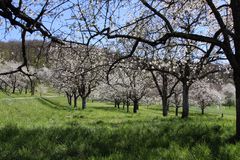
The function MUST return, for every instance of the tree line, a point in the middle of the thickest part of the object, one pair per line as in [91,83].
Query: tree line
[211,27]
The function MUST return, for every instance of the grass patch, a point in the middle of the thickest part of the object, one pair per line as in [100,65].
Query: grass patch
[47,128]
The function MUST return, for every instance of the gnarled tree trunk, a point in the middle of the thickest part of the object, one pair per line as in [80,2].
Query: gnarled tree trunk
[124,102]
[69,98]
[165,105]
[185,105]
[176,111]
[84,102]
[237,85]
[128,104]
[135,106]
[75,98]
[32,88]
[202,111]
[164,94]
[26,89]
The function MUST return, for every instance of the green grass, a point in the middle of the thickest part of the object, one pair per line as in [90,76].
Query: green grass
[47,128]
[51,92]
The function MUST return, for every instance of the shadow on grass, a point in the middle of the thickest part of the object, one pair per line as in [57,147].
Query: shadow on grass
[140,141]
[52,104]
[191,112]
[110,109]
[154,108]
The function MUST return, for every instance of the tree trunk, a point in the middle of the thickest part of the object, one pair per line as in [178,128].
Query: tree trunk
[237,86]
[70,100]
[135,106]
[118,104]
[235,5]
[202,111]
[128,104]
[75,97]
[165,105]
[14,85]
[176,111]
[13,89]
[164,94]
[26,89]
[124,104]
[185,100]
[32,88]
[69,97]
[84,102]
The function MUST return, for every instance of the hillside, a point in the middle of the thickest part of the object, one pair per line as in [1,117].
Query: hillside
[46,128]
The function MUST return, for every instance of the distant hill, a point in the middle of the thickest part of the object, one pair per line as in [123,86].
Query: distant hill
[36,51]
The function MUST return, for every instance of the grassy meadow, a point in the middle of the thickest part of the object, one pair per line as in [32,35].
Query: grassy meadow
[47,128]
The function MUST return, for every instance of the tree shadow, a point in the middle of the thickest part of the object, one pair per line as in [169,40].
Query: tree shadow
[52,104]
[135,141]
[154,108]
[110,109]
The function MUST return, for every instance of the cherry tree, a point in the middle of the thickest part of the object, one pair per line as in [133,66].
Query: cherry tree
[42,89]
[204,95]
[216,23]
[186,63]
[228,92]
[16,81]
[115,90]
[141,29]
[77,70]
[176,98]
[165,84]
[135,81]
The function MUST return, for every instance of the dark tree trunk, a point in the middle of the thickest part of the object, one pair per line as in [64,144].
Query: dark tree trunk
[135,106]
[70,100]
[237,85]
[26,89]
[202,111]
[128,104]
[163,91]
[32,88]
[124,104]
[118,105]
[69,97]
[14,85]
[176,111]
[165,105]
[164,94]
[235,60]
[13,89]
[84,102]
[75,97]
[185,105]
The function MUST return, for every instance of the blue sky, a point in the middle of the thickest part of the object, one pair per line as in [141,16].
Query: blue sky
[15,32]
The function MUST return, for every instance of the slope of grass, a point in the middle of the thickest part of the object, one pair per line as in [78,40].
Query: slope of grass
[47,128]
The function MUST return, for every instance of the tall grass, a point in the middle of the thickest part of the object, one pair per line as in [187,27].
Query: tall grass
[47,128]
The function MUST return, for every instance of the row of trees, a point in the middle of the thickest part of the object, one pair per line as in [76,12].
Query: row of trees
[79,70]
[11,83]
[209,26]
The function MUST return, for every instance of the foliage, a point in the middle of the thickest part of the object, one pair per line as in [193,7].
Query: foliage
[228,92]
[203,95]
